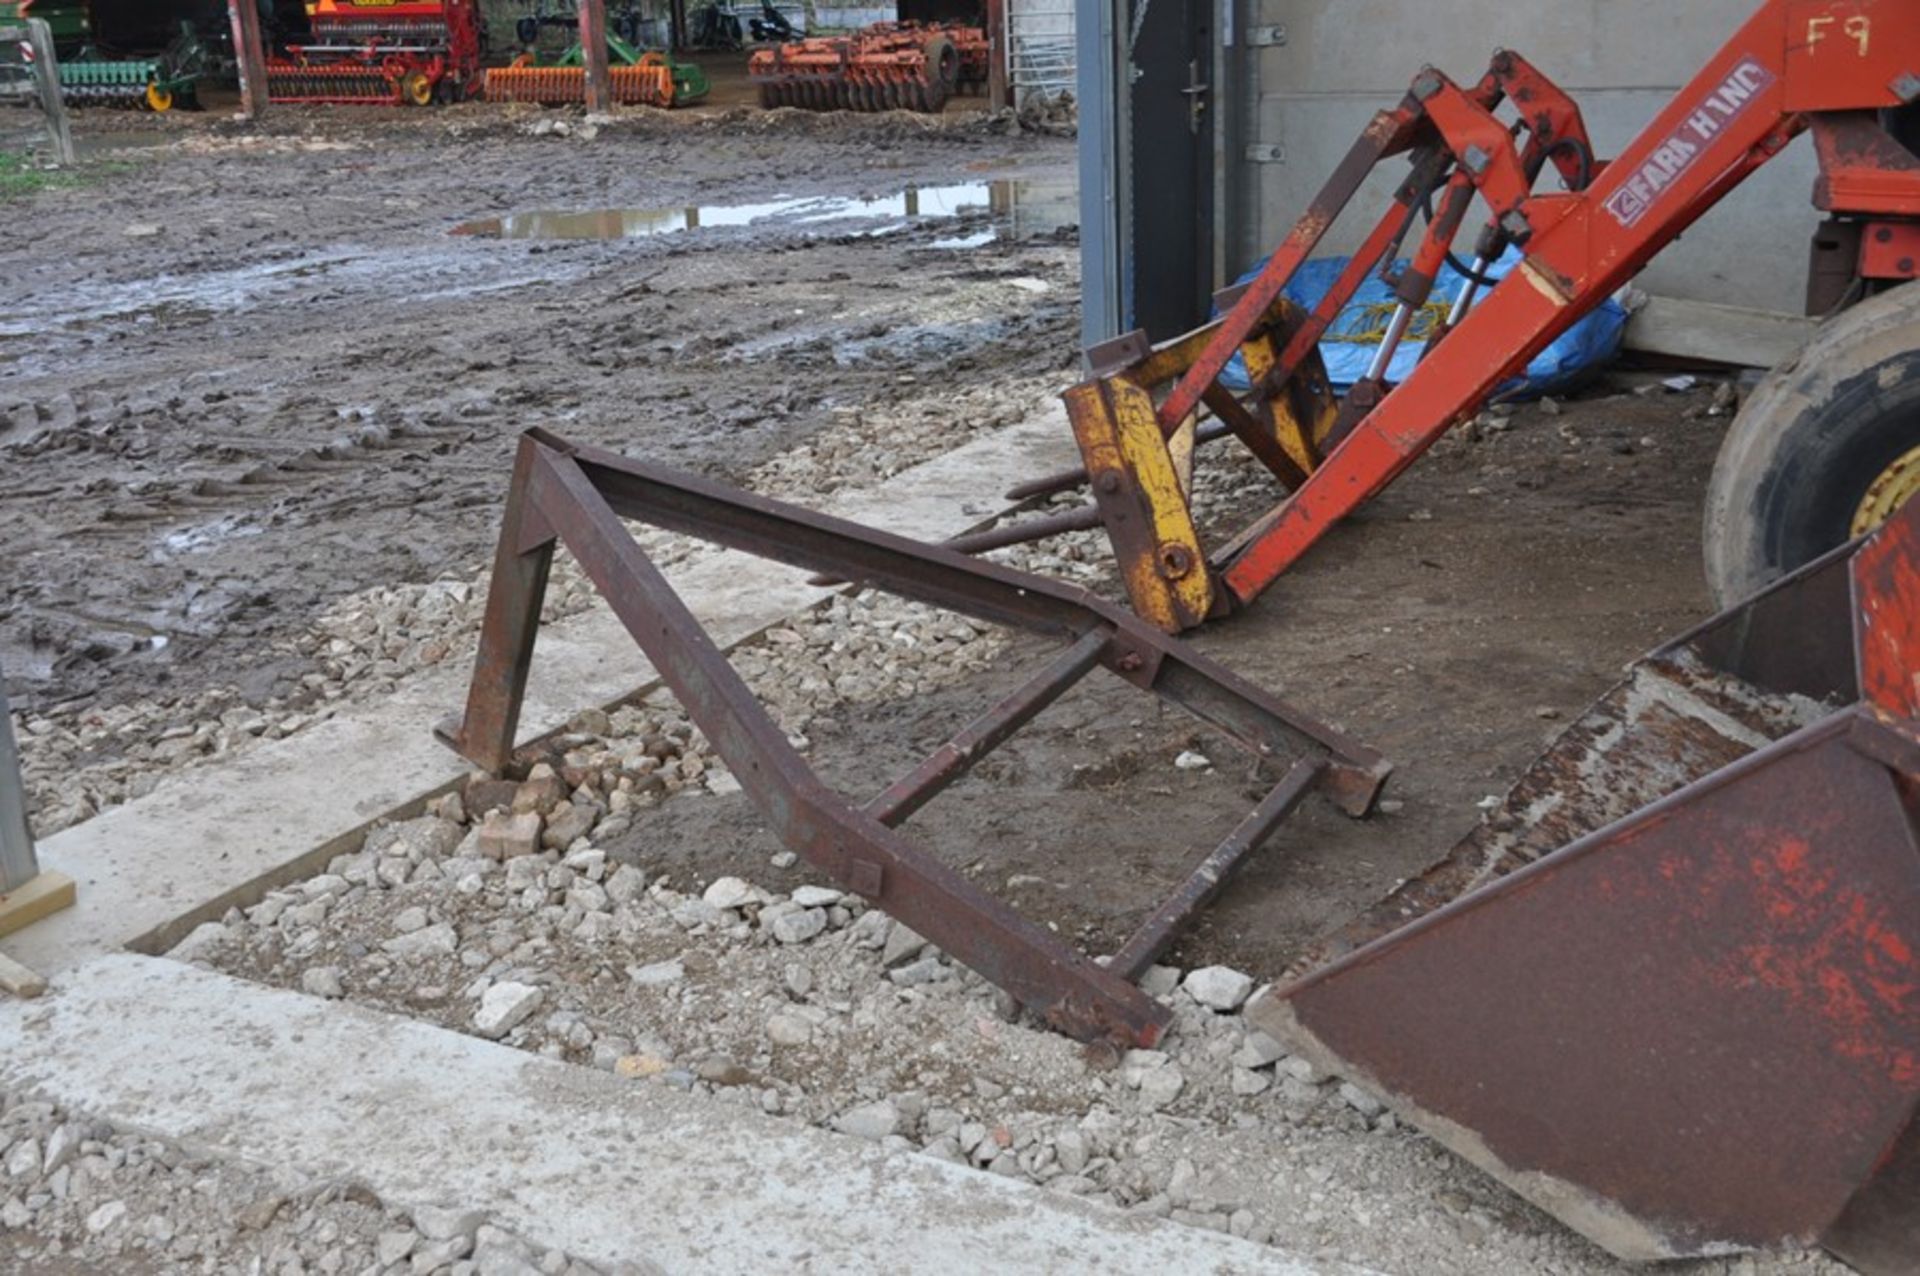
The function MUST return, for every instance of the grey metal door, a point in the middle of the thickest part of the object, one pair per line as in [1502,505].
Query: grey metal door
[1171,168]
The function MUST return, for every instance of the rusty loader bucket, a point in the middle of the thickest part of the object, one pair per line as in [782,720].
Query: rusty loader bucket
[1669,990]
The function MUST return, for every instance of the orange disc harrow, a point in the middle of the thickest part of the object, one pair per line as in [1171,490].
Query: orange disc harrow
[891,66]
[645,84]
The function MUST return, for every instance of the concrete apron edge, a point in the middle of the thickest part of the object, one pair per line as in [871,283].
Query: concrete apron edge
[151,870]
[157,940]
[421,1114]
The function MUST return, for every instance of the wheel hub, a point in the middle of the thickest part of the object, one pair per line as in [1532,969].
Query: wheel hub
[1888,492]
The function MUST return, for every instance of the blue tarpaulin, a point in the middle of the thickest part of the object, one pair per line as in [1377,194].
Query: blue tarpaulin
[1587,345]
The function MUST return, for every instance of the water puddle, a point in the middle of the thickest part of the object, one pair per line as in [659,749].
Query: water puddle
[206,536]
[161,298]
[1023,207]
[93,309]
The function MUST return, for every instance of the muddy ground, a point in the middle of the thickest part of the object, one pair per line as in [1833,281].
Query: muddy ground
[247,376]
[256,373]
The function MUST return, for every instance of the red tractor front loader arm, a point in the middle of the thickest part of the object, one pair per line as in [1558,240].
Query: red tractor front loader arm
[1827,64]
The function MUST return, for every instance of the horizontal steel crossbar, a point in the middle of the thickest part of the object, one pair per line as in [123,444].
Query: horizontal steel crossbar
[957,756]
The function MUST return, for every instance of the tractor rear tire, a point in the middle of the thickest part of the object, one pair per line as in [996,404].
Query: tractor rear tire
[1822,451]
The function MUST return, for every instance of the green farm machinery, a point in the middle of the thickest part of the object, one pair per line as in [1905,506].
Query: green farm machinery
[89,77]
[155,84]
[67,20]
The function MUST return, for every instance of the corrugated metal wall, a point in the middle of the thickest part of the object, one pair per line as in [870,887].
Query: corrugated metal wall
[1307,99]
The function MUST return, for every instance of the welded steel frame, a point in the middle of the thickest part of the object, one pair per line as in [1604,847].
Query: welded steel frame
[562,493]
[1141,480]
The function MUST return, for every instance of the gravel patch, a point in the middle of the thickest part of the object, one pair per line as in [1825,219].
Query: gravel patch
[808,1006]
[80,1194]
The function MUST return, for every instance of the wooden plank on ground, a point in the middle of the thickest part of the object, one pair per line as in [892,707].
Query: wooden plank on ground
[33,899]
[20,981]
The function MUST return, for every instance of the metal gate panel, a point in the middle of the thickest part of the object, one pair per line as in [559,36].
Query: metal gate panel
[1040,52]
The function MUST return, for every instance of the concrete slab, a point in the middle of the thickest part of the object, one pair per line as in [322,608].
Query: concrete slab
[1705,330]
[224,834]
[603,1168]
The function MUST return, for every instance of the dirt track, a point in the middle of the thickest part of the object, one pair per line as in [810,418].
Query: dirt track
[249,374]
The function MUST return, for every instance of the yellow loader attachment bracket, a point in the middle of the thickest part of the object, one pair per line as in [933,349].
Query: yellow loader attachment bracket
[1140,475]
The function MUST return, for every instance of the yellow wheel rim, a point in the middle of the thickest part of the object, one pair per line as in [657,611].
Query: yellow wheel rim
[1888,492]
[419,89]
[159,98]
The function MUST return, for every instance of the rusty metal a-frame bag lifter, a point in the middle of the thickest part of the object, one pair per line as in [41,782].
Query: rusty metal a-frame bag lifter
[1670,989]
[579,496]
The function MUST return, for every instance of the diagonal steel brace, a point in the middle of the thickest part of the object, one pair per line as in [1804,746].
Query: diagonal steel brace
[579,496]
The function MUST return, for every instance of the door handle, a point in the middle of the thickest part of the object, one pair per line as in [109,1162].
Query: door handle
[1196,95]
